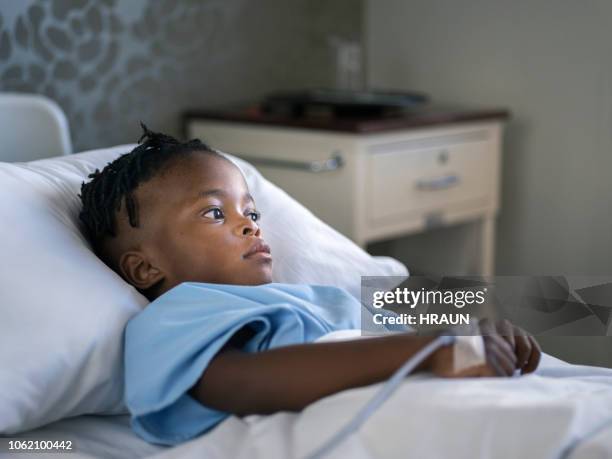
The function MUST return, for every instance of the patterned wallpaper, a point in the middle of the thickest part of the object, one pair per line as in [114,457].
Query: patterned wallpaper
[111,63]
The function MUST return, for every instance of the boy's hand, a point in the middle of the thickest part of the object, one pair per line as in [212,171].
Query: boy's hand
[524,346]
[507,348]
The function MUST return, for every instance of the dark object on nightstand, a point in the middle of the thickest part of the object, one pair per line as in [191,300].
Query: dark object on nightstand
[425,115]
[340,103]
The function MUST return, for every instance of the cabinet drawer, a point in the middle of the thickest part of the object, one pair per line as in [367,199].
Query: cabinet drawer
[412,176]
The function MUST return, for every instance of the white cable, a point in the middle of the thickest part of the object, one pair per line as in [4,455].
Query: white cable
[381,396]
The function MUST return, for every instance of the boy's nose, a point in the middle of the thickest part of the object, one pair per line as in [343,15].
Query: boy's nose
[249,228]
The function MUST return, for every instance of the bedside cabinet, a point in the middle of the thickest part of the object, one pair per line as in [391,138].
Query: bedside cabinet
[375,179]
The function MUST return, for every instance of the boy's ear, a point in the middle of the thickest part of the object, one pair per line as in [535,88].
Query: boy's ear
[138,271]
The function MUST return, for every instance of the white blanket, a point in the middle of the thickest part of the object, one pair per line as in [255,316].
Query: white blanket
[553,413]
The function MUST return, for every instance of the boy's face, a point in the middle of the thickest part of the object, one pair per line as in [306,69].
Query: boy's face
[198,223]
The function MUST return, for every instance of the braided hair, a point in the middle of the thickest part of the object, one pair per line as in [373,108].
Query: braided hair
[103,195]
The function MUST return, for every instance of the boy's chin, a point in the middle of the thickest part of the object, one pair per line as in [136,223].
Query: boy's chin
[260,279]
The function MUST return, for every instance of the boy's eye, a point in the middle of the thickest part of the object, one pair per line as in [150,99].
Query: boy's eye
[215,213]
[255,216]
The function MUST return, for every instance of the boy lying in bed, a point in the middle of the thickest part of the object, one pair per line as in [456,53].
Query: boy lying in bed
[177,222]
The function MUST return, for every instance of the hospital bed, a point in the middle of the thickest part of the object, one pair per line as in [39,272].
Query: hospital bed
[64,311]
[459,430]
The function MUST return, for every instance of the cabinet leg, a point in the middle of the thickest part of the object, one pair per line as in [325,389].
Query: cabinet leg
[487,250]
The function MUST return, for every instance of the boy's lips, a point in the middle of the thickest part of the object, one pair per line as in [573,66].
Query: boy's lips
[259,247]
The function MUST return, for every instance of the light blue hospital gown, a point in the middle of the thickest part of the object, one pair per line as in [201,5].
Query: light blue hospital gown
[170,343]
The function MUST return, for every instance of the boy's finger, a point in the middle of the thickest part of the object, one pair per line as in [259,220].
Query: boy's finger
[506,329]
[504,347]
[534,358]
[494,365]
[504,360]
[522,349]
[499,357]
[489,329]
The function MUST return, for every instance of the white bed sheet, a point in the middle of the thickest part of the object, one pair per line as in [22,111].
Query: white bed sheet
[596,446]
[537,416]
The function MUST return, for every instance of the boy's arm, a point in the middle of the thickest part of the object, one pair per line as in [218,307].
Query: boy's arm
[289,378]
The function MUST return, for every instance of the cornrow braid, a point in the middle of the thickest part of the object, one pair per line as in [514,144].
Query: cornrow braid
[102,197]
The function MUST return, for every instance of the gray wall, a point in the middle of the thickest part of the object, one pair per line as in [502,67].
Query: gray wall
[111,63]
[550,63]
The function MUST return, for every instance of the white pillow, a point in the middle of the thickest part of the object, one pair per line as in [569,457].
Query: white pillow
[63,310]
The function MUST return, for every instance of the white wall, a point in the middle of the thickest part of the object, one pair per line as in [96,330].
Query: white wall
[550,63]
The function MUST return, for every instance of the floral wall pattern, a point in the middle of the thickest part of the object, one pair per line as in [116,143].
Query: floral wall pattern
[112,63]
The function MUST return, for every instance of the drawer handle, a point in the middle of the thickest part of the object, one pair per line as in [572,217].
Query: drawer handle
[334,162]
[439,183]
